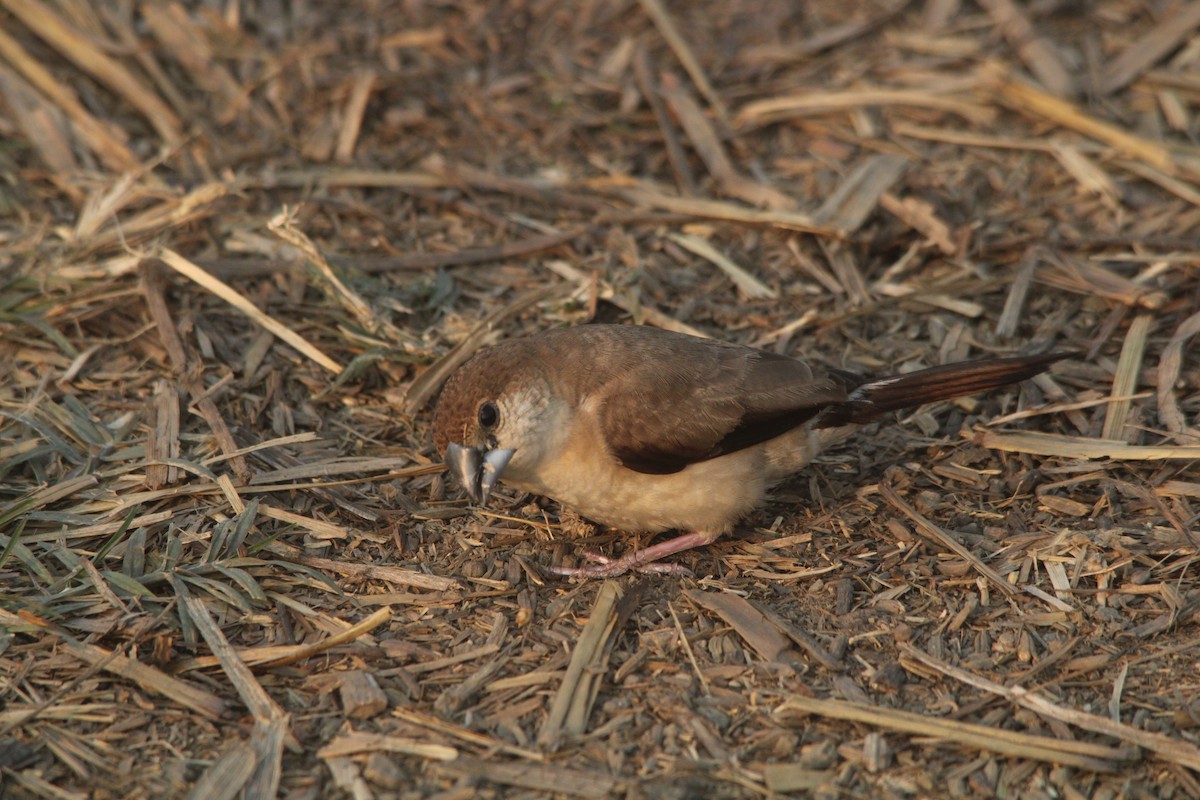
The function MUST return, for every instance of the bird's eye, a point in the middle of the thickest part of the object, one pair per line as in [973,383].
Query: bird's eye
[489,414]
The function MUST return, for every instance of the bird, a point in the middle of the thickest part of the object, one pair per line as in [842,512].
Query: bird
[647,430]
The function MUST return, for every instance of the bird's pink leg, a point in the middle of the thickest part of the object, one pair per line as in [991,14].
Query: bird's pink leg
[641,560]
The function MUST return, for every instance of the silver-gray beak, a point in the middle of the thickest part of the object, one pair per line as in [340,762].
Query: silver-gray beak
[477,473]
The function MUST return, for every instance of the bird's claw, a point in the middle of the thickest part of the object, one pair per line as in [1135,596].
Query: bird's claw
[612,567]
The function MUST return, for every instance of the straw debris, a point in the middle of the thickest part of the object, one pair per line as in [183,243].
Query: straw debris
[242,247]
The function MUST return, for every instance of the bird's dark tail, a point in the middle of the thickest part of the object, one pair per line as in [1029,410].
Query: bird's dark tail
[874,397]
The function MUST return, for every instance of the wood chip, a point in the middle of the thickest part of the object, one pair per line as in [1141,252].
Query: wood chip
[360,694]
[750,624]
[921,217]
[855,199]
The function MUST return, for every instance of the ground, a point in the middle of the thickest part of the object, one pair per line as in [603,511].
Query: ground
[243,244]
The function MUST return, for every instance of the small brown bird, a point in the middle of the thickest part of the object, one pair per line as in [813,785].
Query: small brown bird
[646,430]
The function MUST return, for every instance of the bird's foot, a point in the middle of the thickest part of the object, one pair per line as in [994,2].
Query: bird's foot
[644,560]
[606,567]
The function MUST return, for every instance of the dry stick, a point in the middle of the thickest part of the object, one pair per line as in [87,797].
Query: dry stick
[853,201]
[1173,750]
[1076,447]
[270,730]
[283,226]
[108,528]
[295,469]
[231,296]
[841,261]
[644,194]
[802,638]
[1033,49]
[747,284]
[105,141]
[1058,408]
[705,684]
[476,738]
[348,744]
[361,628]
[169,215]
[449,661]
[279,441]
[352,114]
[360,572]
[319,528]
[825,39]
[255,698]
[1125,380]
[97,658]
[82,51]
[226,776]
[554,191]
[464,257]
[813,269]
[1169,365]
[707,144]
[1089,279]
[547,780]
[189,45]
[920,215]
[936,534]
[635,307]
[1184,191]
[581,682]
[650,91]
[46,129]
[254,267]
[1164,37]
[1090,176]
[1010,317]
[775,109]
[748,621]
[156,303]
[330,177]
[997,740]
[1025,99]
[162,439]
[967,138]
[268,738]
[666,26]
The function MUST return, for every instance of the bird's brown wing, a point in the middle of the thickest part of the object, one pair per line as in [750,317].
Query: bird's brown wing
[706,400]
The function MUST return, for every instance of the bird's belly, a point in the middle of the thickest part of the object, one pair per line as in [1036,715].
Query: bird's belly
[709,496]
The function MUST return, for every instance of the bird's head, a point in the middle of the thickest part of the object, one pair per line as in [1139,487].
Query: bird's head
[495,417]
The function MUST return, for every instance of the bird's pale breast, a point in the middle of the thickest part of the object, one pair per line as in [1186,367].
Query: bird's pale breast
[707,496]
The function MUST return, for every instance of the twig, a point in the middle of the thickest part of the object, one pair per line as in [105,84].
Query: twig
[1172,750]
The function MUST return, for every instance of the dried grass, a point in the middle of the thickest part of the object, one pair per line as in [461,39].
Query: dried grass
[240,250]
